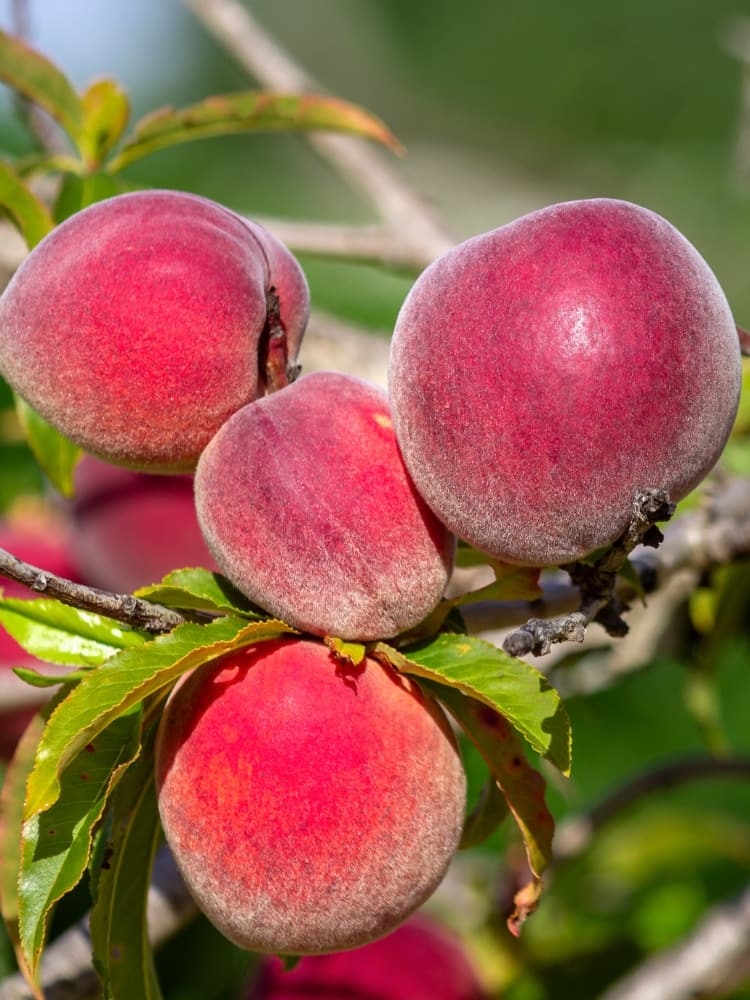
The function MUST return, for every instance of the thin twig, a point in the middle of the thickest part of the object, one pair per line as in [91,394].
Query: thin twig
[124,608]
[596,583]
[575,834]
[700,965]
[360,244]
[422,236]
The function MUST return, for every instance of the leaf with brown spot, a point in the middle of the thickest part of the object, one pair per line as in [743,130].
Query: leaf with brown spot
[522,786]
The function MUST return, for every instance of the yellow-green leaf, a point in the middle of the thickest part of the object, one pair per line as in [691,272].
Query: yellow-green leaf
[28,213]
[34,77]
[504,683]
[250,111]
[522,786]
[55,453]
[106,110]
[110,690]
[119,931]
[56,844]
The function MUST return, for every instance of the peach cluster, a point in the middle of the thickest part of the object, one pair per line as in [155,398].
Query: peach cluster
[540,375]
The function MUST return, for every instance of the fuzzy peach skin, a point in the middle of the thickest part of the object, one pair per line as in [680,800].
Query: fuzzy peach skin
[306,505]
[135,327]
[130,529]
[543,372]
[420,960]
[310,806]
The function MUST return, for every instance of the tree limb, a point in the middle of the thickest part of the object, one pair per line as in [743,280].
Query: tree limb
[699,965]
[121,607]
[421,235]
[575,834]
[596,583]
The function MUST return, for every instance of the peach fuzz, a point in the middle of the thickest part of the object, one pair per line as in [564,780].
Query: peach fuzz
[310,805]
[138,325]
[543,372]
[306,506]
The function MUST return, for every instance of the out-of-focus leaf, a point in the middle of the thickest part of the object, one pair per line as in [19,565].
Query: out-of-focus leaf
[505,683]
[199,589]
[124,680]
[56,455]
[250,111]
[56,844]
[33,76]
[78,191]
[486,816]
[61,634]
[512,583]
[522,786]
[106,110]
[30,215]
[119,931]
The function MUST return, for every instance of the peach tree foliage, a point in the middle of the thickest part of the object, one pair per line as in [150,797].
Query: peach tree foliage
[79,794]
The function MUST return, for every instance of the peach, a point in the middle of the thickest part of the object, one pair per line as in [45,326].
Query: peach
[543,372]
[420,960]
[310,806]
[306,505]
[137,326]
[130,528]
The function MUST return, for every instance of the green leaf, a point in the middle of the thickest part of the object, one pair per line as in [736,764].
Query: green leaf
[119,932]
[199,589]
[56,455]
[11,808]
[123,681]
[56,844]
[29,214]
[522,786]
[34,77]
[106,110]
[80,191]
[250,111]
[486,816]
[506,684]
[39,680]
[58,633]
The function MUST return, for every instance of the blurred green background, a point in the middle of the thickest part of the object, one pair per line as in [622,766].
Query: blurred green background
[502,108]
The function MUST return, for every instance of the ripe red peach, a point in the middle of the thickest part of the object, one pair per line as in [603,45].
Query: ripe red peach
[310,805]
[131,528]
[420,960]
[138,325]
[306,505]
[542,372]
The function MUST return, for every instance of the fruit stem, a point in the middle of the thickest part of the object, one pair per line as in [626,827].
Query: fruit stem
[275,368]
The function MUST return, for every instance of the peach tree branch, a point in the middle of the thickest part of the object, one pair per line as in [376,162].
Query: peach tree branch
[417,235]
[575,834]
[596,583]
[121,607]
[701,965]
